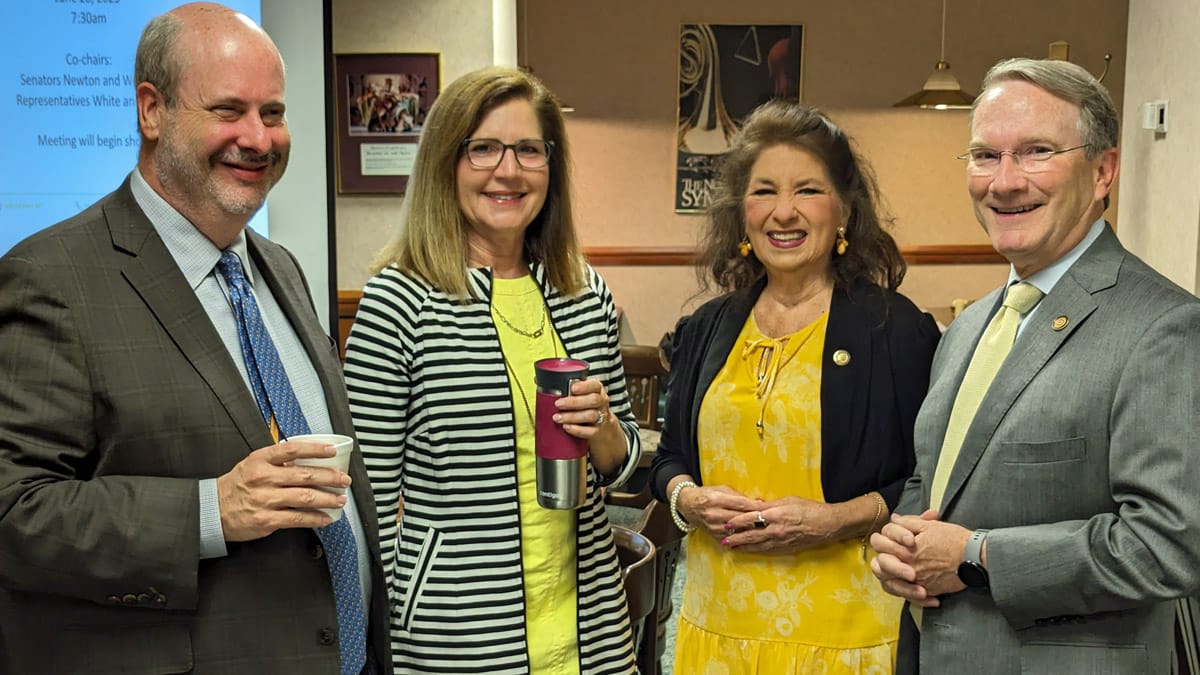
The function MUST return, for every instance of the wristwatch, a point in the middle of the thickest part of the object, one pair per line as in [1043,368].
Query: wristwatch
[971,570]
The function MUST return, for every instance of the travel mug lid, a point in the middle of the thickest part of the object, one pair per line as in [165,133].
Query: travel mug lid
[558,373]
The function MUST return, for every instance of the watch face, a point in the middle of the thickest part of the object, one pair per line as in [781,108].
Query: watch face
[973,574]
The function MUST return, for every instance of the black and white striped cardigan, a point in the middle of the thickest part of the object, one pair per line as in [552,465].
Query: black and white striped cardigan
[433,413]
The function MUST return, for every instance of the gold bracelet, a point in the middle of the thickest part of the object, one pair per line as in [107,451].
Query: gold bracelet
[879,504]
[673,502]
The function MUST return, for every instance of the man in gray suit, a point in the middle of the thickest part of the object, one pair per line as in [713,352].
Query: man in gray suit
[149,520]
[1060,517]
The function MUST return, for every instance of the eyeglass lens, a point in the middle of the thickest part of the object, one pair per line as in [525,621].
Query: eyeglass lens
[488,153]
[1034,159]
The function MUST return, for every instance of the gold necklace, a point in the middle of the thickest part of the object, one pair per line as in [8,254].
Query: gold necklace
[534,335]
[513,372]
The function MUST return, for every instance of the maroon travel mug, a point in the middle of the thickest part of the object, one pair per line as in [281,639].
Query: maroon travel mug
[561,457]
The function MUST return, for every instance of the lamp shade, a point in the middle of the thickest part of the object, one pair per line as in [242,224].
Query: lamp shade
[941,92]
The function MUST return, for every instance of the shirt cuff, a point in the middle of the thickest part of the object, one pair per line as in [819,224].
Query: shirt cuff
[212,537]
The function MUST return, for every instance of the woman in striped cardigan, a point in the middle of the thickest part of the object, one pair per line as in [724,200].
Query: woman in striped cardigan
[484,278]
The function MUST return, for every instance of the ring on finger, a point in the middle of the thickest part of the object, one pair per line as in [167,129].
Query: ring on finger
[760,522]
[600,417]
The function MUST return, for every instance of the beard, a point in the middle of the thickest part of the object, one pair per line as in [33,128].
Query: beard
[194,180]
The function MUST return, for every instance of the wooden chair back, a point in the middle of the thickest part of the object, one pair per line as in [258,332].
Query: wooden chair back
[655,525]
[644,379]
[635,554]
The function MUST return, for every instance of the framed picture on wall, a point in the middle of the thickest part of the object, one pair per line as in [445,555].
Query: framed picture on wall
[381,104]
[725,72]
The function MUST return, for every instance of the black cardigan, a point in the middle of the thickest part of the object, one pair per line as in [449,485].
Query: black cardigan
[868,406]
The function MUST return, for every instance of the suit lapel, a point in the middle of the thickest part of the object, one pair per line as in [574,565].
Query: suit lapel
[1072,298]
[281,273]
[156,278]
[950,364]
[293,298]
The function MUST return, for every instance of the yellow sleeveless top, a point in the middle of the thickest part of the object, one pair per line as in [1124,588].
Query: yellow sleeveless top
[547,535]
[817,611]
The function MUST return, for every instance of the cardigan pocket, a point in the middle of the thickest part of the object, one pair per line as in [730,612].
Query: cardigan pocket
[409,598]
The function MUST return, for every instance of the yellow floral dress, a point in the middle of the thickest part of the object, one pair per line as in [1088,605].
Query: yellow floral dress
[817,612]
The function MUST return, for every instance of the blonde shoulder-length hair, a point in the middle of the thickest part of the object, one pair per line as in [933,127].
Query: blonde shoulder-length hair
[431,242]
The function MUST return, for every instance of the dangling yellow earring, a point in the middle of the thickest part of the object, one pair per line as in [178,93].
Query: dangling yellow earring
[744,247]
[842,243]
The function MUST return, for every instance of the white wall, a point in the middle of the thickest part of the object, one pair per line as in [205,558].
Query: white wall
[1159,211]
[297,207]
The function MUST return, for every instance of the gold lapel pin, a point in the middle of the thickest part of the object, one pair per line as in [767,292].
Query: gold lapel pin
[841,357]
[1060,323]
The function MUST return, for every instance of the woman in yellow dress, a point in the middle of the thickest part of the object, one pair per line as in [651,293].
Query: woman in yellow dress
[789,421]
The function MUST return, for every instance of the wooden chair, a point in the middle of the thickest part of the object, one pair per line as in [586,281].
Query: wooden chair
[656,526]
[635,554]
[645,376]
[957,306]
[644,379]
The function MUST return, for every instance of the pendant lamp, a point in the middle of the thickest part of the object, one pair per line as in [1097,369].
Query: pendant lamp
[941,90]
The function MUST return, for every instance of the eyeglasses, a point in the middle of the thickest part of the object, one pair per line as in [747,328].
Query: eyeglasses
[487,153]
[1031,159]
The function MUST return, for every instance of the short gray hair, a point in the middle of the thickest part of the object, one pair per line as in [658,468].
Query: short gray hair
[1099,128]
[158,61]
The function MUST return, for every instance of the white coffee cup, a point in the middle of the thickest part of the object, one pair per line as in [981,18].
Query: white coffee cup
[341,461]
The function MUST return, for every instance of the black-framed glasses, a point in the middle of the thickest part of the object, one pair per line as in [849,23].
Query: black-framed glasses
[487,153]
[1030,159]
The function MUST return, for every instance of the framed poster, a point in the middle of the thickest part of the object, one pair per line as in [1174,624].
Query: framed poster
[725,72]
[380,108]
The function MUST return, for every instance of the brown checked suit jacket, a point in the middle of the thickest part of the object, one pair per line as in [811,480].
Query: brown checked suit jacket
[116,397]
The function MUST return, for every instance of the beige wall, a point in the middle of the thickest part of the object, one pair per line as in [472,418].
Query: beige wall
[1160,214]
[616,62]
[459,30]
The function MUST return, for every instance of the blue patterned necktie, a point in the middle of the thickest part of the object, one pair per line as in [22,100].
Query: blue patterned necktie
[279,407]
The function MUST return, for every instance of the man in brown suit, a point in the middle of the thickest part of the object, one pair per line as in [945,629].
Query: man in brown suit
[149,520]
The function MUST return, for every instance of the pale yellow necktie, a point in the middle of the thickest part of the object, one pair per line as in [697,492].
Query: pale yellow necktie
[993,347]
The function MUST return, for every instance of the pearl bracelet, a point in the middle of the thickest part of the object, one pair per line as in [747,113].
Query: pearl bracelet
[682,524]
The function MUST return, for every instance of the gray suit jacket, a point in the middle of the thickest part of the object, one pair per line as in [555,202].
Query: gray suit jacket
[116,396]
[1083,461]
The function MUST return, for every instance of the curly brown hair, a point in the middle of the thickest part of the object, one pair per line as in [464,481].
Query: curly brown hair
[872,256]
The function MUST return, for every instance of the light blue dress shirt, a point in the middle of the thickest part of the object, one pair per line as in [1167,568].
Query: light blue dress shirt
[1047,279]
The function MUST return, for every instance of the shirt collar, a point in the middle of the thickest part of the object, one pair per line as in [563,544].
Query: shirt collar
[1047,279]
[191,250]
